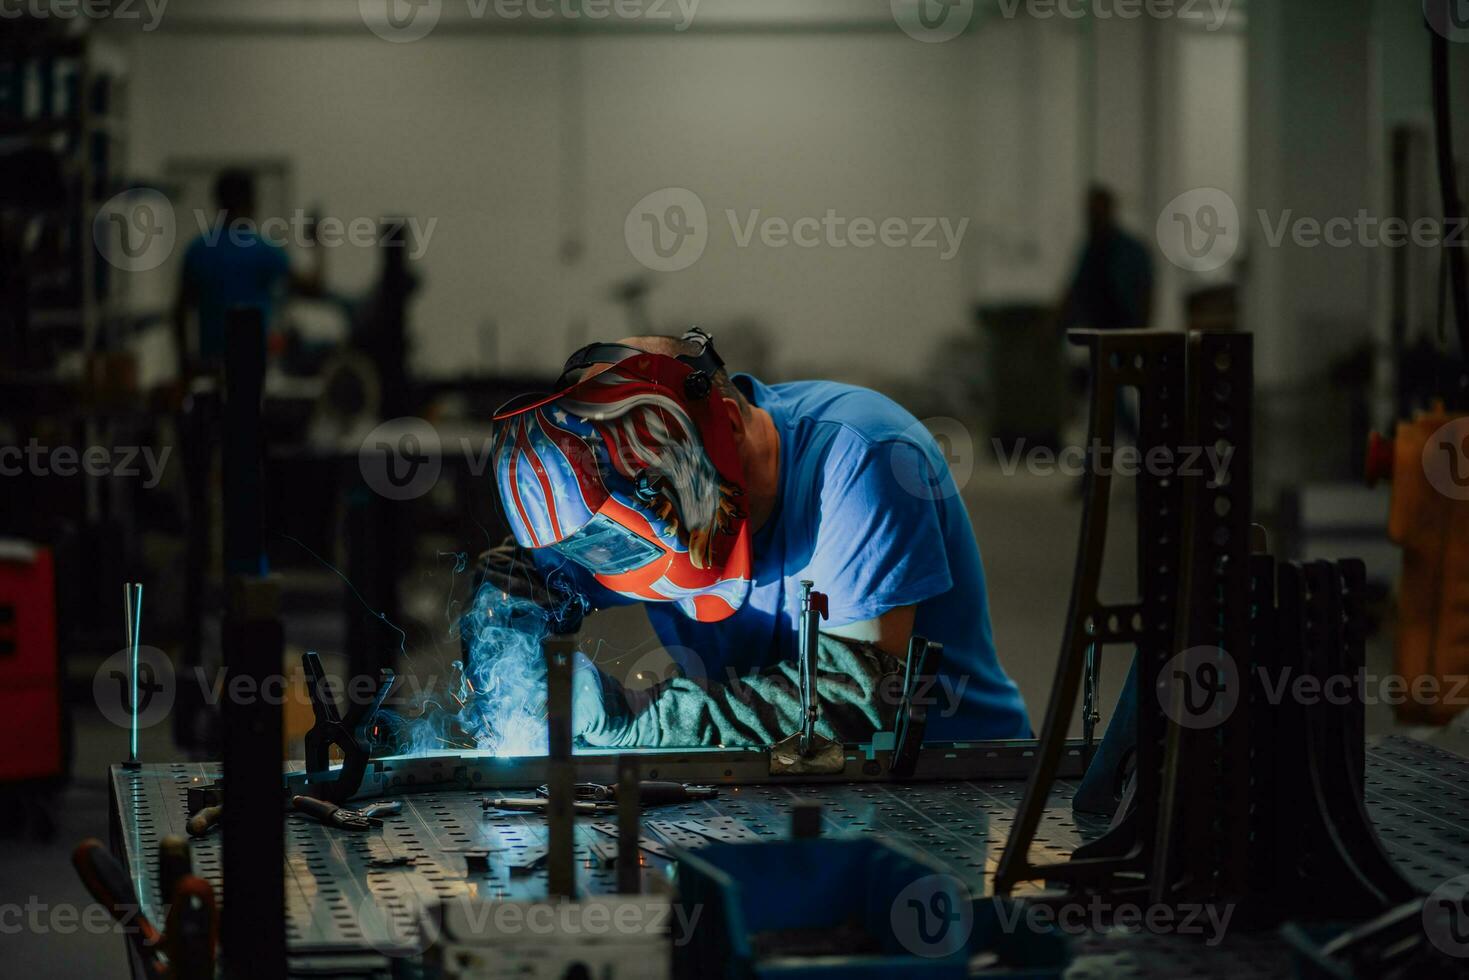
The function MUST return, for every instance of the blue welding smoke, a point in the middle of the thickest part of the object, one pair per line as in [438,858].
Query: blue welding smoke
[495,702]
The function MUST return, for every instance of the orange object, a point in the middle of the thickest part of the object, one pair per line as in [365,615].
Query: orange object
[1429,519]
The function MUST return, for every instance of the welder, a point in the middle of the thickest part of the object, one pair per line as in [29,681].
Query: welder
[652,475]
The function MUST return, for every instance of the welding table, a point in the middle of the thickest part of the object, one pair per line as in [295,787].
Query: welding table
[346,916]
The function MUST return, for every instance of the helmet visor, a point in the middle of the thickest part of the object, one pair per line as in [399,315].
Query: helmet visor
[605,547]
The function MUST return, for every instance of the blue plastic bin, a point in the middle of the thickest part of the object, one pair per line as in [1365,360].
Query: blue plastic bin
[738,891]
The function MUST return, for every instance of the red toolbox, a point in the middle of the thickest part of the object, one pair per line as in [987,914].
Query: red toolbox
[30,681]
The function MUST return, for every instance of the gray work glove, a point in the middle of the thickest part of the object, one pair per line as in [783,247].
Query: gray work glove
[852,679]
[511,569]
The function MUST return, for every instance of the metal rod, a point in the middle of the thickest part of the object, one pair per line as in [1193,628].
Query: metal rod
[136,628]
[808,667]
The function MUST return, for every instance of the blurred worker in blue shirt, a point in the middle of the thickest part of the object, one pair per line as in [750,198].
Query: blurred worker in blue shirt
[231,265]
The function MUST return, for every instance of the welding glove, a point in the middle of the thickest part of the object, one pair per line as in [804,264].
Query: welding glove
[513,570]
[854,688]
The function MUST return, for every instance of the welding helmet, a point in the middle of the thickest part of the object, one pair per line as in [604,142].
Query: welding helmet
[632,472]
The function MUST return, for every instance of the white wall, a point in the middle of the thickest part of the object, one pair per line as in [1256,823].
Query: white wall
[521,142]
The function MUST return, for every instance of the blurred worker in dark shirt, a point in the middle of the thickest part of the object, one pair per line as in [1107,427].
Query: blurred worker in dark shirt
[229,266]
[1112,288]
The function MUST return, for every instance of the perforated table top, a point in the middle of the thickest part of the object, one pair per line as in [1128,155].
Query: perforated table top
[353,898]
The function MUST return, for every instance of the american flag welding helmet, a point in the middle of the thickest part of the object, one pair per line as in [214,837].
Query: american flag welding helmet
[632,472]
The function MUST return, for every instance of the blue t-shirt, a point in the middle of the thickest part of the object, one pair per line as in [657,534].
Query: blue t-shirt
[238,269]
[869,512]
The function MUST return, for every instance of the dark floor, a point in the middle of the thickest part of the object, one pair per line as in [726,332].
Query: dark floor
[1027,530]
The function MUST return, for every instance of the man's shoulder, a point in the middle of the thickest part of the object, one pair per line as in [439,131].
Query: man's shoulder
[849,413]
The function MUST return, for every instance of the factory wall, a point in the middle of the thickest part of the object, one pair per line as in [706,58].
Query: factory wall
[530,155]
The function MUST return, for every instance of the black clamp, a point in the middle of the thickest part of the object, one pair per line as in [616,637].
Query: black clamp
[354,741]
[918,676]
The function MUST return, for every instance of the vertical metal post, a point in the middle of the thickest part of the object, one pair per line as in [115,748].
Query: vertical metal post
[253,822]
[629,827]
[560,867]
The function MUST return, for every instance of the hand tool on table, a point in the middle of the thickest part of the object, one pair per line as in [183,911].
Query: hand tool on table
[362,818]
[185,949]
[109,884]
[651,792]
[205,820]
[541,804]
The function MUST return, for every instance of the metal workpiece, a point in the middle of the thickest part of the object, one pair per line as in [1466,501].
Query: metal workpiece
[347,903]
[997,759]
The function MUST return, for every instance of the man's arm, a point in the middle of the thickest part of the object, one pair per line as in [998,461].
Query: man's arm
[856,688]
[888,632]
